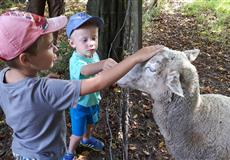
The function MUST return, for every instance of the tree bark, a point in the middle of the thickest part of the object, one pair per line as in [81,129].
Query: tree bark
[122,34]
[133,27]
[113,13]
[132,42]
[113,38]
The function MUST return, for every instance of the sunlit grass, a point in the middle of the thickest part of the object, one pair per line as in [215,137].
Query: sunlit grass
[11,5]
[214,15]
[153,11]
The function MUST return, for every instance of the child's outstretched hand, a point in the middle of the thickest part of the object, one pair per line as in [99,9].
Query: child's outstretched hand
[147,52]
[108,64]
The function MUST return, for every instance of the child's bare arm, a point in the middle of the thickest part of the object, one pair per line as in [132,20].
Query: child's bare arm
[94,68]
[108,64]
[108,77]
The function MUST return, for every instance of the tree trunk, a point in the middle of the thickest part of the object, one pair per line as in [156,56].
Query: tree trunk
[133,27]
[132,42]
[122,33]
[118,33]
[113,13]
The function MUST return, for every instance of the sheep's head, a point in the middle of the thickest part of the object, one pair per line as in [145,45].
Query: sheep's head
[163,72]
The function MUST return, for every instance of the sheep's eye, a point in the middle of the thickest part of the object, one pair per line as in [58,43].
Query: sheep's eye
[150,69]
[153,67]
[172,58]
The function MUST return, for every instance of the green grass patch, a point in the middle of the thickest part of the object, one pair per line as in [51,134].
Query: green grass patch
[6,5]
[150,12]
[213,15]
[199,6]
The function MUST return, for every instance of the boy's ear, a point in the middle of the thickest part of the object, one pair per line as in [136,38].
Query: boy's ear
[23,59]
[71,43]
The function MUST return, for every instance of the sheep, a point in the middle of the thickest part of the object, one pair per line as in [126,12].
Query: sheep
[194,126]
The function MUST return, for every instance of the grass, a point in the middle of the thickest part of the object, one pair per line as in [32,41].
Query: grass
[5,4]
[151,11]
[213,17]
[11,4]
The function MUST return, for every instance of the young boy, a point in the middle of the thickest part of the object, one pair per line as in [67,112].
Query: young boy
[82,32]
[33,106]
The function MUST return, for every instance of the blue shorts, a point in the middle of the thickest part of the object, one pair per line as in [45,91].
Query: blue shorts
[82,116]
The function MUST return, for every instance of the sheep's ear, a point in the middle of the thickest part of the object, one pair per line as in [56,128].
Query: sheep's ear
[173,82]
[192,54]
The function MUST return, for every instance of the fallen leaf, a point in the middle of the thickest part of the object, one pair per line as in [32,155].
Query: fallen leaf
[146,153]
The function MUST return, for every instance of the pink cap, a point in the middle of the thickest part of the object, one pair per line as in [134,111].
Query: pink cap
[19,30]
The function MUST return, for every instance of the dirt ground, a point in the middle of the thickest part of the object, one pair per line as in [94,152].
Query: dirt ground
[145,141]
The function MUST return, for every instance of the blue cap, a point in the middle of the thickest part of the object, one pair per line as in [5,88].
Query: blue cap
[79,19]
